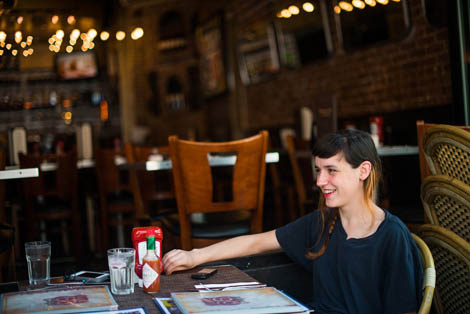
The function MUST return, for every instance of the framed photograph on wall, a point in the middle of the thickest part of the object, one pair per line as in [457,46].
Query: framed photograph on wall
[257,50]
[210,42]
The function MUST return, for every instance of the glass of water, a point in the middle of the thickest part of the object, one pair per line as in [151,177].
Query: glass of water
[121,269]
[38,257]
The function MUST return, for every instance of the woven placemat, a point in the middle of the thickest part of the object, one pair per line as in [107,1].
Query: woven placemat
[179,282]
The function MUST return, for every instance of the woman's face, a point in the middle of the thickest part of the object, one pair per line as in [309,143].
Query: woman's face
[340,184]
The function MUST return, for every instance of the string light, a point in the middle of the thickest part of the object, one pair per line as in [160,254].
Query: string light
[337,9]
[294,10]
[359,4]
[308,7]
[18,37]
[346,6]
[371,3]
[137,33]
[120,35]
[286,14]
[104,36]
[19,42]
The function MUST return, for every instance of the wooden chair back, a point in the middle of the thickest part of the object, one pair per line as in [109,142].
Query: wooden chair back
[194,184]
[302,170]
[446,203]
[451,256]
[443,153]
[429,276]
[62,182]
[7,253]
[149,187]
[115,195]
[110,180]
[2,187]
[59,191]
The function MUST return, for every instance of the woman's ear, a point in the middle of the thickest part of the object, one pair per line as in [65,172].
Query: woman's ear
[364,170]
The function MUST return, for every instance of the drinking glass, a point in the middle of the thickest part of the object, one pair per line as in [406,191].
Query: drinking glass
[121,263]
[38,257]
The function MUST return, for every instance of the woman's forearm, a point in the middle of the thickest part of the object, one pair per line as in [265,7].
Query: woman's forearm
[237,247]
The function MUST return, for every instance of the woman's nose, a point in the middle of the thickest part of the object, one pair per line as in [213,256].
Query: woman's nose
[321,178]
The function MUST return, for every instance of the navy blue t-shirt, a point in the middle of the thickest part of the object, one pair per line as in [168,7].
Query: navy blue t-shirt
[381,273]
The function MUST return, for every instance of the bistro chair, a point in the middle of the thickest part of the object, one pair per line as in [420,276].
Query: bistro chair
[152,190]
[115,193]
[421,128]
[51,200]
[429,276]
[447,151]
[7,234]
[301,164]
[451,256]
[203,220]
[446,203]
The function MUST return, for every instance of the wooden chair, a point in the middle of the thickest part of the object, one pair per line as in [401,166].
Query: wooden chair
[51,200]
[193,181]
[451,256]
[450,156]
[429,276]
[152,190]
[303,176]
[116,201]
[7,232]
[446,203]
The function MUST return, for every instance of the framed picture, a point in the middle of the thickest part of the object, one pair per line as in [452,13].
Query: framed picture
[257,50]
[210,42]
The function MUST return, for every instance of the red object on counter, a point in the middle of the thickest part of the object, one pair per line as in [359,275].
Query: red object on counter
[376,127]
[139,240]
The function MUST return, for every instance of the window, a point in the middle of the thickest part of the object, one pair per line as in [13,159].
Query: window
[302,33]
[368,22]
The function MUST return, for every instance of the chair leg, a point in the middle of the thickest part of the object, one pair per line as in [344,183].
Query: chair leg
[90,211]
[120,230]
[42,227]
[65,237]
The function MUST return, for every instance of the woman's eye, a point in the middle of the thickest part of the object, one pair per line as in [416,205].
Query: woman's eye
[331,170]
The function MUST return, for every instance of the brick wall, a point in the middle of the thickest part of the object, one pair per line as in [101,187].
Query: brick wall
[412,73]
[389,77]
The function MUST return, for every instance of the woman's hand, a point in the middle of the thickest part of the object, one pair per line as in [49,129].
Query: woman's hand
[178,260]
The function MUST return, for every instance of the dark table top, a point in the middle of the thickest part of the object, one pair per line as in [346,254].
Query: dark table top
[179,282]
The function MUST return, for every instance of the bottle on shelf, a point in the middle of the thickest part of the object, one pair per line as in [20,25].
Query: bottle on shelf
[151,267]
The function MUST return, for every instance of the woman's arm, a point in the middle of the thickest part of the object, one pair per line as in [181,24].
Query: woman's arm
[235,247]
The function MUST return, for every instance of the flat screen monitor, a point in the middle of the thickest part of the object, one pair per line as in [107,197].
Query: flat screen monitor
[76,65]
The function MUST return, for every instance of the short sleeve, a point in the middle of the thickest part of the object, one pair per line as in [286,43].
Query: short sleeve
[403,274]
[297,237]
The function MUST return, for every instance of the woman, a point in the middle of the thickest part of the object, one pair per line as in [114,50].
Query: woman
[363,259]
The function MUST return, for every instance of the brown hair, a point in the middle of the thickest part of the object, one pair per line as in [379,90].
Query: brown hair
[357,147]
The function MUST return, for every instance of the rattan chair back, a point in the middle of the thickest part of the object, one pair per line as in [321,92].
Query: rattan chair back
[451,256]
[446,203]
[447,151]
[429,278]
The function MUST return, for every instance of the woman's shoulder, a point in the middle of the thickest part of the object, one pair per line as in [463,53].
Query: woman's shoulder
[393,228]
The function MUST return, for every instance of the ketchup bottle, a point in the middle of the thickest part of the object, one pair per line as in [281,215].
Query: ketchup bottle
[151,267]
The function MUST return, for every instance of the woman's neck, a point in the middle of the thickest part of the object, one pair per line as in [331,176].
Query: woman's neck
[359,222]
